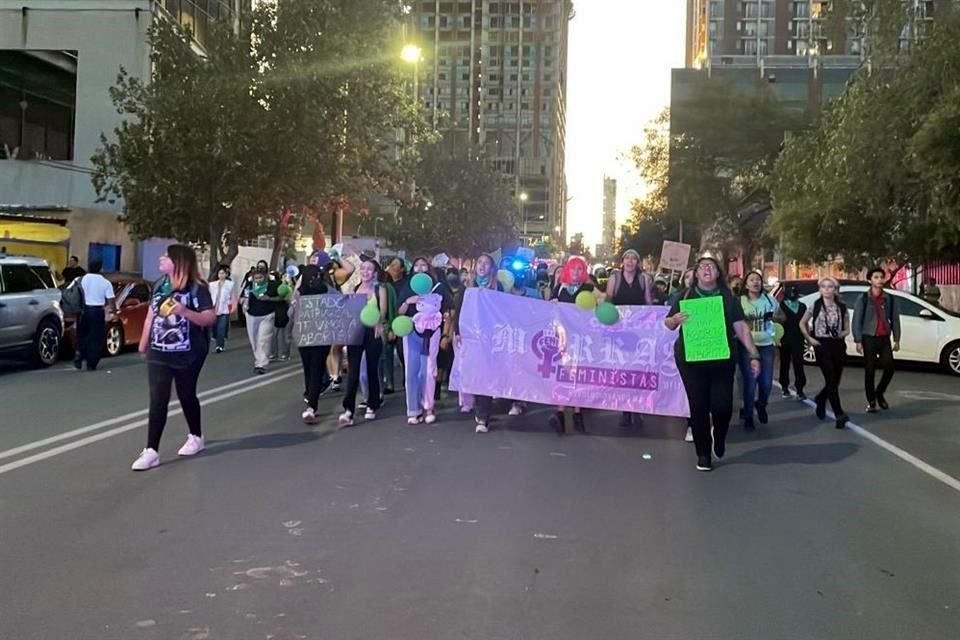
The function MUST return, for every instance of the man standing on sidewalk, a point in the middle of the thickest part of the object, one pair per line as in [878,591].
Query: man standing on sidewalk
[875,320]
[91,324]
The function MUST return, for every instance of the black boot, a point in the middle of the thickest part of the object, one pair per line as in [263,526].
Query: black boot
[578,423]
[842,421]
[822,407]
[626,419]
[558,422]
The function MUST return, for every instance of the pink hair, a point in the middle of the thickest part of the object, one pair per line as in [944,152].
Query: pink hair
[567,267]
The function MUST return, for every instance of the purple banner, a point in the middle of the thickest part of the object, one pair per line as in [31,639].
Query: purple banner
[556,354]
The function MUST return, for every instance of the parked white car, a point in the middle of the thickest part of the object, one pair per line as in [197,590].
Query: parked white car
[928,333]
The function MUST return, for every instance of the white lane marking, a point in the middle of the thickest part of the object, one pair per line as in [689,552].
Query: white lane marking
[50,453]
[906,456]
[128,416]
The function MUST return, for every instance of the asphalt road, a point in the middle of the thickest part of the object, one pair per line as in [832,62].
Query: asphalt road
[282,531]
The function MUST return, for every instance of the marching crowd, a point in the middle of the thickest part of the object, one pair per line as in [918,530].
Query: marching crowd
[185,310]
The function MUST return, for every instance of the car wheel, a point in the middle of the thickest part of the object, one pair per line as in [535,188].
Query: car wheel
[46,343]
[809,355]
[114,340]
[951,358]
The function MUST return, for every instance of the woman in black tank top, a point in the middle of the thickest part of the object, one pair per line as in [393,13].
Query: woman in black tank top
[574,280]
[630,287]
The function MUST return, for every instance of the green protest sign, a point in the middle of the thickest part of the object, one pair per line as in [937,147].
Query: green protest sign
[705,332]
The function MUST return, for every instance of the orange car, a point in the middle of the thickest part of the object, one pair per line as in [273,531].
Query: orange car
[122,329]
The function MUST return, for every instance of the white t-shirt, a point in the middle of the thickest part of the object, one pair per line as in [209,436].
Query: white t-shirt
[226,296]
[96,290]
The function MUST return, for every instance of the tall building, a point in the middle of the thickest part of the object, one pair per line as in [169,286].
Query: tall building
[758,32]
[493,74]
[608,238]
[58,60]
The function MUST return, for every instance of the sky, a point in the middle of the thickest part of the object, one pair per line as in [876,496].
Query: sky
[618,79]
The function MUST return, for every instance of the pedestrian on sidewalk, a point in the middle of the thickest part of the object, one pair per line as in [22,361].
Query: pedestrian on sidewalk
[224,302]
[262,300]
[363,360]
[825,328]
[98,297]
[709,384]
[759,307]
[876,319]
[792,343]
[175,341]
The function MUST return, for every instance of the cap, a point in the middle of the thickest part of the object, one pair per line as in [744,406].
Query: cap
[322,258]
[630,252]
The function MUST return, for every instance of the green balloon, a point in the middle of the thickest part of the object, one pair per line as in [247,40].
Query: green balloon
[284,291]
[421,284]
[607,314]
[506,278]
[777,332]
[370,316]
[402,326]
[586,300]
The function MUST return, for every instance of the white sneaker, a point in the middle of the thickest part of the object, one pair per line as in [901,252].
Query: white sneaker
[370,414]
[515,410]
[431,418]
[466,410]
[482,427]
[148,460]
[309,416]
[414,420]
[689,436]
[192,446]
[345,419]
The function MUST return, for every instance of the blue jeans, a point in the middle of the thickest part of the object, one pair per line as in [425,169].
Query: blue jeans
[751,396]
[220,330]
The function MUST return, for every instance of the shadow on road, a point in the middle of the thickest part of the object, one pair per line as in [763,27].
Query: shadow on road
[265,441]
[798,454]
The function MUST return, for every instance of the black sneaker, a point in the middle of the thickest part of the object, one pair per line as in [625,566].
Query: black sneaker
[626,419]
[748,424]
[801,396]
[704,464]
[872,407]
[77,364]
[389,391]
[842,421]
[719,448]
[335,384]
[578,425]
[786,394]
[883,403]
[259,371]
[762,414]
[558,422]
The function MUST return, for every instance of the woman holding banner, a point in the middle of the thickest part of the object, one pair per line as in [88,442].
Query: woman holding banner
[484,276]
[706,364]
[574,280]
[630,287]
[316,278]
[421,347]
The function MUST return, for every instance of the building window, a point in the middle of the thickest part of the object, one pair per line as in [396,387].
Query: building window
[36,109]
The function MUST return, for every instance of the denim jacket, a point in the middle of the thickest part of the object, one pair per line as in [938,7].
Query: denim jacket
[865,317]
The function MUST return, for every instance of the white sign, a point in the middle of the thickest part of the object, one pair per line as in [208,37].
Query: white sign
[675,256]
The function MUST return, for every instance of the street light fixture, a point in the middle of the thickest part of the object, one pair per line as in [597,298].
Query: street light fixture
[412,54]
[522,197]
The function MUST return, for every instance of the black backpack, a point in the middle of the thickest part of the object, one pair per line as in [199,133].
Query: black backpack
[72,300]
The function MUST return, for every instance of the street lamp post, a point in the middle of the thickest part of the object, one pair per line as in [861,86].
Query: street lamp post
[522,198]
[412,54]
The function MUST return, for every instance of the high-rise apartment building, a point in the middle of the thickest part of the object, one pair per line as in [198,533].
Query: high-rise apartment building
[758,32]
[493,75]
[609,220]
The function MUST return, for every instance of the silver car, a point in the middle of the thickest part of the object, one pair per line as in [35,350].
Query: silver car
[30,316]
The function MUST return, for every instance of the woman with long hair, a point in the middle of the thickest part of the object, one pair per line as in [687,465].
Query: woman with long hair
[421,347]
[759,307]
[825,327]
[175,342]
[574,279]
[630,287]
[709,384]
[391,346]
[365,357]
[484,277]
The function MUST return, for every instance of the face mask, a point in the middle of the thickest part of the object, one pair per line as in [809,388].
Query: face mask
[453,281]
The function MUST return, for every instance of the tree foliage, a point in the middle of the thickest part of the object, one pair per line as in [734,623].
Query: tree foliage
[874,178]
[465,208]
[300,106]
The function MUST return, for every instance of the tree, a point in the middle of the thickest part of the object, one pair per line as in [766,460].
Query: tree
[874,178]
[185,158]
[464,209]
[296,109]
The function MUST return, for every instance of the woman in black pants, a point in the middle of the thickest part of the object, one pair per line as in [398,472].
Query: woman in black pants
[372,348]
[175,341]
[830,325]
[709,384]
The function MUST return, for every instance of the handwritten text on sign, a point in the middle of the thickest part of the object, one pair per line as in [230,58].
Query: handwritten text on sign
[328,319]
[705,332]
